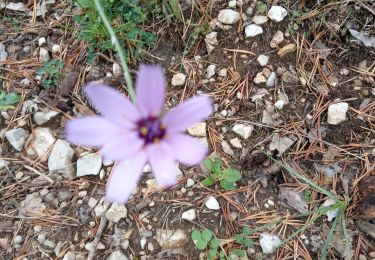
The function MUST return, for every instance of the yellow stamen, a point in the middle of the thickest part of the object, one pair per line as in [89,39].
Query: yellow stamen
[162,127]
[156,140]
[143,130]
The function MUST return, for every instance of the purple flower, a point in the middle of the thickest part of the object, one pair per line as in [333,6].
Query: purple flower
[136,135]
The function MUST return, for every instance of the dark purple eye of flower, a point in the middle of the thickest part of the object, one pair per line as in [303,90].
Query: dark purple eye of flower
[151,130]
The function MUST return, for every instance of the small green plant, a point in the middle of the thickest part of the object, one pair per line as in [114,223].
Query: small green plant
[50,73]
[307,196]
[244,238]
[204,239]
[261,7]
[226,177]
[7,100]
[127,19]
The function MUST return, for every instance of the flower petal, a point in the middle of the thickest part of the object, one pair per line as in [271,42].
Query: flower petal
[112,104]
[91,131]
[150,87]
[163,165]
[120,148]
[186,149]
[192,111]
[124,178]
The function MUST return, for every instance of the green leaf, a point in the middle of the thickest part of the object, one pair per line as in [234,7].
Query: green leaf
[8,99]
[247,231]
[215,242]
[239,253]
[222,255]
[248,241]
[231,175]
[198,239]
[212,253]
[227,185]
[208,181]
[213,165]
[239,238]
[196,235]
[207,235]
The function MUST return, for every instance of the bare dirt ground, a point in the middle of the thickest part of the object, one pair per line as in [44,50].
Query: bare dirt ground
[272,118]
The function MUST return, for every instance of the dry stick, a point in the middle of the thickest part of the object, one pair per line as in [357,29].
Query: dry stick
[95,242]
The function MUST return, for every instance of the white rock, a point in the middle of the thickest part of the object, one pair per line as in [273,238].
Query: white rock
[43,55]
[92,202]
[41,41]
[331,214]
[49,243]
[198,129]
[25,82]
[263,60]
[56,49]
[232,3]
[18,239]
[228,16]
[60,159]
[32,205]
[3,53]
[279,104]
[271,79]
[210,71]
[243,130]
[260,78]
[70,255]
[40,143]
[41,118]
[116,69]
[260,19]
[143,242]
[16,6]
[223,73]
[277,39]
[116,212]
[90,246]
[337,113]
[212,203]
[17,137]
[226,148]
[277,13]
[189,215]
[101,208]
[89,165]
[344,72]
[252,30]
[178,79]
[281,143]
[3,164]
[117,255]
[269,242]
[236,142]
[169,239]
[211,41]
[147,168]
[189,182]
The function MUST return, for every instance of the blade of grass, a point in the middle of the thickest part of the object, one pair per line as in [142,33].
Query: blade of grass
[175,5]
[329,237]
[121,54]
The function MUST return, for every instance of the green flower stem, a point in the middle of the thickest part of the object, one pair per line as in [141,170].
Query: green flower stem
[119,50]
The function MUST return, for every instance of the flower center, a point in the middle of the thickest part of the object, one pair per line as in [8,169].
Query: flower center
[151,130]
